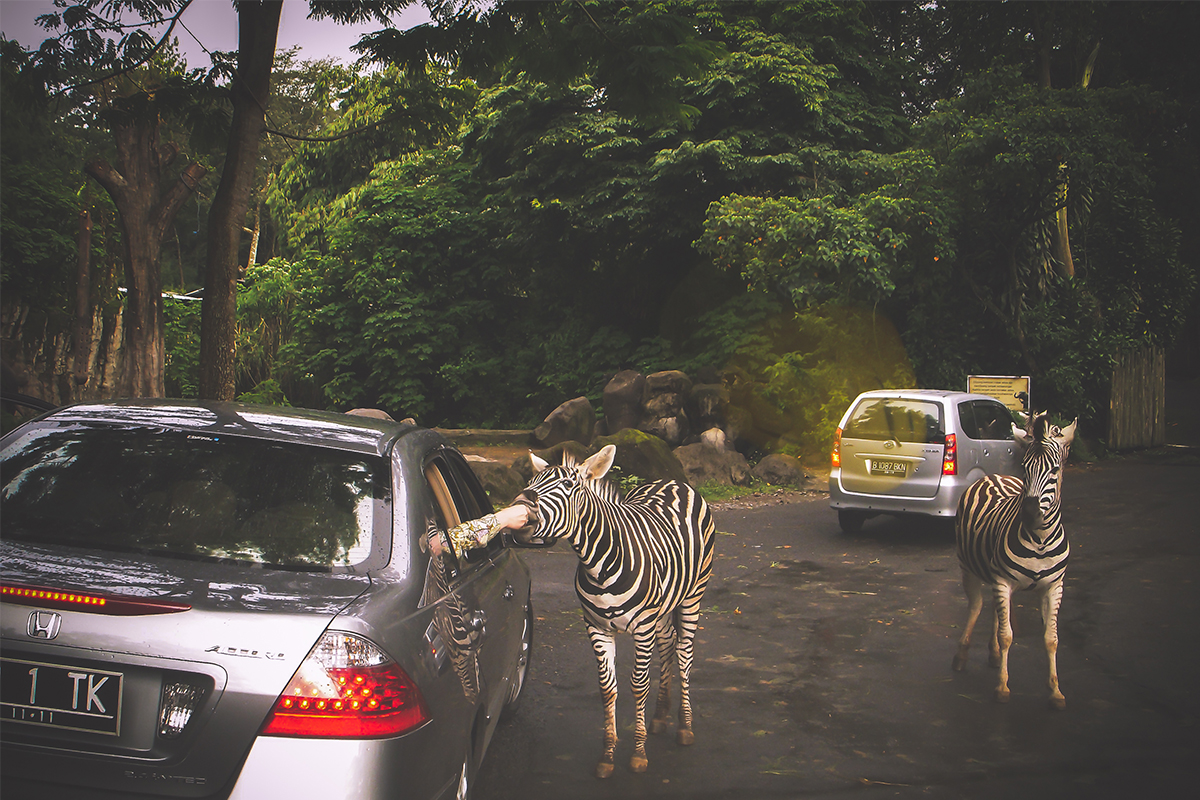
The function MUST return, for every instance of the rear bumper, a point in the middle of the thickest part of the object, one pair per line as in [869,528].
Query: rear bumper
[332,769]
[942,504]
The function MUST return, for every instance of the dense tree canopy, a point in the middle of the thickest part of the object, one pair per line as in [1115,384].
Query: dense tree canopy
[521,199]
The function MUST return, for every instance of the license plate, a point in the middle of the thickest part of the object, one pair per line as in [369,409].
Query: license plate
[61,696]
[883,466]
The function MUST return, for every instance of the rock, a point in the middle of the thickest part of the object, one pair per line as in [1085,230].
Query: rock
[672,430]
[715,438]
[706,405]
[671,380]
[662,406]
[781,470]
[574,420]
[501,482]
[705,464]
[643,455]
[623,401]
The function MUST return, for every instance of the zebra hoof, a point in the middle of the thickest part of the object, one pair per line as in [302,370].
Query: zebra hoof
[685,737]
[960,663]
[1058,703]
[604,769]
[658,725]
[1002,695]
[638,763]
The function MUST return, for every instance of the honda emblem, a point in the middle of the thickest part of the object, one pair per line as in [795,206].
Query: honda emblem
[44,624]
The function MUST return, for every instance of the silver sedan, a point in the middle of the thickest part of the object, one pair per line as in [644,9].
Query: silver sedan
[222,600]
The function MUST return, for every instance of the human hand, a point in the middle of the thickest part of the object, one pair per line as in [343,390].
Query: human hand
[516,516]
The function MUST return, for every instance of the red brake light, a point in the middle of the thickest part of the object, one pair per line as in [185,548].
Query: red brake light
[837,449]
[347,688]
[950,455]
[92,602]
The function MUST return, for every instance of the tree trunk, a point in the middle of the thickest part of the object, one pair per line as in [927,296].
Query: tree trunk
[147,211]
[81,340]
[258,27]
[1064,264]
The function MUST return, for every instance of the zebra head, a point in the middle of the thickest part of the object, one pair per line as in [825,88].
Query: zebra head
[1044,447]
[555,493]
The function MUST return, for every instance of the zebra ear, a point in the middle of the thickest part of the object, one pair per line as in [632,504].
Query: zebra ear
[539,464]
[1068,433]
[598,465]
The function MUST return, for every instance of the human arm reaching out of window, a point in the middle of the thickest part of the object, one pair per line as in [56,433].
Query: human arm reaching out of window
[478,532]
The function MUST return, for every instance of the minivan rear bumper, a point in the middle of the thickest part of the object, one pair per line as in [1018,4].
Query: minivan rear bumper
[943,504]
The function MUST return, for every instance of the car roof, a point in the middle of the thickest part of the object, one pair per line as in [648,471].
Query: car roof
[355,433]
[926,394]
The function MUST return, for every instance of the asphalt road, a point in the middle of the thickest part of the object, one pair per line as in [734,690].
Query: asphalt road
[823,665]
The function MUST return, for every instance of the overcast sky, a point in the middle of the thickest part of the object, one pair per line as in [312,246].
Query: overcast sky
[213,24]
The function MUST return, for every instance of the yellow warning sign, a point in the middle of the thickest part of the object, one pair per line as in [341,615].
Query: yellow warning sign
[1005,388]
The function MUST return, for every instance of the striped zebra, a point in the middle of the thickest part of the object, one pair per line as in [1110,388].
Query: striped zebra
[1010,536]
[643,564]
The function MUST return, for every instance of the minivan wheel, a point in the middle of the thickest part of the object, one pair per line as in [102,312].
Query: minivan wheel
[851,521]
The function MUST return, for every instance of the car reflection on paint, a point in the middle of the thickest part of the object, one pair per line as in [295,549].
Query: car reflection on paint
[207,599]
[915,451]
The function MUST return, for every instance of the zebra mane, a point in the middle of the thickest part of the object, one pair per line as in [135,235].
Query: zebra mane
[1039,426]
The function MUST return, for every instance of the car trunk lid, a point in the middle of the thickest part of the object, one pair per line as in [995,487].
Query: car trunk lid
[893,446]
[165,686]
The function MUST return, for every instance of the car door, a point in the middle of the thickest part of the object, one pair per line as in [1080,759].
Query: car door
[484,639]
[997,449]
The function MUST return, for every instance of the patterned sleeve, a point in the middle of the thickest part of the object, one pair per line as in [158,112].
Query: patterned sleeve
[473,533]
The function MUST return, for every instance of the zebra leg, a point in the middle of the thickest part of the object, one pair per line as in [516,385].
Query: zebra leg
[666,649]
[1050,603]
[604,643]
[1002,594]
[973,587]
[643,641]
[688,620]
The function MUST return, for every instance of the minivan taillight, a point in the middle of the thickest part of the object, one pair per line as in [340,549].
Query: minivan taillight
[347,687]
[837,449]
[950,455]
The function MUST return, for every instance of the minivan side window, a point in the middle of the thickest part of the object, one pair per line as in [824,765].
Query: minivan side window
[984,419]
[883,419]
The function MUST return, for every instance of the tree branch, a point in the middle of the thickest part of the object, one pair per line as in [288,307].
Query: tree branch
[168,205]
[165,37]
[352,132]
[113,182]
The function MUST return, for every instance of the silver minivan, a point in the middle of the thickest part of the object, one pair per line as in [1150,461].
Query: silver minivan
[915,451]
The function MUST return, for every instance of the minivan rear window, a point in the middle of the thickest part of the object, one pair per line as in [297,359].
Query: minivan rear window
[889,418]
[193,495]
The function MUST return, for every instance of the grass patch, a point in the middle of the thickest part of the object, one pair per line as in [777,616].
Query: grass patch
[719,492]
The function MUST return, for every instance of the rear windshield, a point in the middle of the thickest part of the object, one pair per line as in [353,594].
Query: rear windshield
[191,495]
[882,419]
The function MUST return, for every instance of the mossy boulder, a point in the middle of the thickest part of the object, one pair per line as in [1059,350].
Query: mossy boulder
[643,455]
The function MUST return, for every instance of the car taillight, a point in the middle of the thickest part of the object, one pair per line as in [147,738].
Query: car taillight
[347,688]
[837,449]
[950,455]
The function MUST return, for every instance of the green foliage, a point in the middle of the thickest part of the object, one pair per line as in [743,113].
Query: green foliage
[181,339]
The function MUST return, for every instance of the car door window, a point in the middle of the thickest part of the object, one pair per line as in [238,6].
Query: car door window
[993,420]
[459,497]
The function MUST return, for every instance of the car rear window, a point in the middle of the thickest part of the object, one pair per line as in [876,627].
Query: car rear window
[193,495]
[889,418]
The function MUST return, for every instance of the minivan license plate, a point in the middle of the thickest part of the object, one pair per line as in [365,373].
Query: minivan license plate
[60,696]
[882,466]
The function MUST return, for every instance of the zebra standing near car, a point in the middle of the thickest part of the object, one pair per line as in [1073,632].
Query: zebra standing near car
[1010,536]
[644,562]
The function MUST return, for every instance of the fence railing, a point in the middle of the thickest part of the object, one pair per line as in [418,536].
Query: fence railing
[1138,400]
